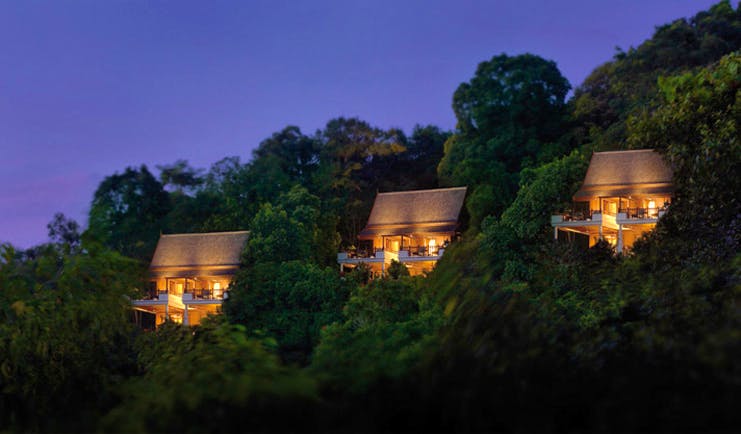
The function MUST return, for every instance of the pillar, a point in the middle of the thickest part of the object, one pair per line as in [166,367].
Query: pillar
[620,239]
[185,316]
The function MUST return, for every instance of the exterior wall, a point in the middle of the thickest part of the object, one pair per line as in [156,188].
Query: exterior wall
[168,298]
[419,252]
[618,220]
[429,242]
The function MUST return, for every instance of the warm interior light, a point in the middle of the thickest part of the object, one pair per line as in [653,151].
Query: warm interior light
[612,239]
[651,203]
[433,246]
[217,285]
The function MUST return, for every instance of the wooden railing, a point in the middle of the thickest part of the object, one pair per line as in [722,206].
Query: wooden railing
[422,251]
[154,294]
[569,215]
[641,213]
[205,294]
[363,253]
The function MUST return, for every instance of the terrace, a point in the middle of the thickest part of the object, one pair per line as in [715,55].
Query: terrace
[618,199]
[412,227]
[190,275]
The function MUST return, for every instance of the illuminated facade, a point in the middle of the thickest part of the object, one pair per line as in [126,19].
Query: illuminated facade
[189,277]
[623,196]
[412,227]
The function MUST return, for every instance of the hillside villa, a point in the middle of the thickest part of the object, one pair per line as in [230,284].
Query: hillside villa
[189,277]
[412,227]
[623,195]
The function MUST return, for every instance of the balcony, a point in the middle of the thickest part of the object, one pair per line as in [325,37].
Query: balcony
[578,218]
[152,298]
[421,253]
[354,256]
[204,294]
[639,215]
[155,295]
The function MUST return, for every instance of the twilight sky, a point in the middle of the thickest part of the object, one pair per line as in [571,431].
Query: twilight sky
[90,87]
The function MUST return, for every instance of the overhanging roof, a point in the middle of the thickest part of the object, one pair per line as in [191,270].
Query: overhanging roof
[214,252]
[626,173]
[371,232]
[418,211]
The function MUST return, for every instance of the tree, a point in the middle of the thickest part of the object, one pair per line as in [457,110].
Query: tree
[316,220]
[623,87]
[397,269]
[228,187]
[65,336]
[416,167]
[180,176]
[511,115]
[290,230]
[697,128]
[275,237]
[296,154]
[289,301]
[366,361]
[223,380]
[64,231]
[354,161]
[387,326]
[127,212]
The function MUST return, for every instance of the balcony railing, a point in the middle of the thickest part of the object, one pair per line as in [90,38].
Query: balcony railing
[154,294]
[363,253]
[205,294]
[568,215]
[641,213]
[422,251]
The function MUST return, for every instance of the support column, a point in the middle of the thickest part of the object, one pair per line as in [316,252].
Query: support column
[185,315]
[620,239]
[555,233]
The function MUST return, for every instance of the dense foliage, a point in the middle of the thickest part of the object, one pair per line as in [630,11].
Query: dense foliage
[511,332]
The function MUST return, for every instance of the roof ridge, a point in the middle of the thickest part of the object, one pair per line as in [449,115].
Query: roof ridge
[204,233]
[625,151]
[425,190]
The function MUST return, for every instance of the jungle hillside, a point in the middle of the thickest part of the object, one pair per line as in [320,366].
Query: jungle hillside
[511,332]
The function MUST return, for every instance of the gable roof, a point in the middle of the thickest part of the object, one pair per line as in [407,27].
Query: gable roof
[405,212]
[219,251]
[625,173]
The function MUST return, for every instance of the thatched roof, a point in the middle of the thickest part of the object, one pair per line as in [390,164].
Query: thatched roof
[218,252]
[626,173]
[418,211]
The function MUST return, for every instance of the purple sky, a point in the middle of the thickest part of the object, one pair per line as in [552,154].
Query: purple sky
[90,87]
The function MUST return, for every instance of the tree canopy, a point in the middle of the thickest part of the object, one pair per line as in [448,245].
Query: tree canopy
[511,115]
[510,332]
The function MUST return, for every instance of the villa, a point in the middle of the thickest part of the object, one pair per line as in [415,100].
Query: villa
[189,277]
[412,227]
[623,196]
